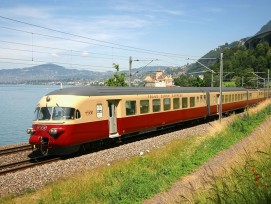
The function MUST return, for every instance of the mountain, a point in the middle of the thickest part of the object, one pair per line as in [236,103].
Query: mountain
[215,54]
[47,72]
[265,28]
[53,72]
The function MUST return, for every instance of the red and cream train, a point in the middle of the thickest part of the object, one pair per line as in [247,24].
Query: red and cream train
[67,118]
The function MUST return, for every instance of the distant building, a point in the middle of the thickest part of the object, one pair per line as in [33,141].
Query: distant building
[158,80]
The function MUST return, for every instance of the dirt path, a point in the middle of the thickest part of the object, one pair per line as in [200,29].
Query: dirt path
[181,191]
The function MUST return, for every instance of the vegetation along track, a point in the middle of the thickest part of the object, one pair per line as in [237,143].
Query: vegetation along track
[15,149]
[20,165]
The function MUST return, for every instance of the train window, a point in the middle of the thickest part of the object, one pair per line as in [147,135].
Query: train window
[167,105]
[232,97]
[229,98]
[201,98]
[156,105]
[184,102]
[204,97]
[223,99]
[130,107]
[63,113]
[192,101]
[239,97]
[144,106]
[250,95]
[45,113]
[226,98]
[36,113]
[197,99]
[176,103]
[77,114]
[236,97]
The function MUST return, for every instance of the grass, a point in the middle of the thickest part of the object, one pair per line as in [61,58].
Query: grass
[250,183]
[139,178]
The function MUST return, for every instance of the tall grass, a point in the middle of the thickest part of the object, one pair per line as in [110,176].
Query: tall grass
[249,184]
[139,178]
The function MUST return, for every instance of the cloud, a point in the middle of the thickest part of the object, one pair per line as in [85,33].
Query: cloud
[54,54]
[84,54]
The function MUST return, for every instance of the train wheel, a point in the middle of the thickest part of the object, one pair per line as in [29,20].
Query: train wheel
[44,150]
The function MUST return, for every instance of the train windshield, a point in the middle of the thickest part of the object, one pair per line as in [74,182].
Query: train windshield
[54,113]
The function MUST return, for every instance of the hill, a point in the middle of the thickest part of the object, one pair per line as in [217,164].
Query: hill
[47,72]
[215,53]
[53,72]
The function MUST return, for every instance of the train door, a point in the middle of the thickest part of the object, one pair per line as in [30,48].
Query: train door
[112,119]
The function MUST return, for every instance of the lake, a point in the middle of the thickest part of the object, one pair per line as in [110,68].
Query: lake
[17,110]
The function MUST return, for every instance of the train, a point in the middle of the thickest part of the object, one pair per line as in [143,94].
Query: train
[67,118]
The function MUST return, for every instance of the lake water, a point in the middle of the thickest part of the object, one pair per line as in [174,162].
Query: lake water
[17,107]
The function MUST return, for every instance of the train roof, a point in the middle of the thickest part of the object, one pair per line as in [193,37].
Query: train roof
[109,91]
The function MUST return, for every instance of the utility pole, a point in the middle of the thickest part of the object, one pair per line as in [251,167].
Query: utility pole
[220,87]
[130,70]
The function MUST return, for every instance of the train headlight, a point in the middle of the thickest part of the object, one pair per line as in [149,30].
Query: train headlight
[54,132]
[30,131]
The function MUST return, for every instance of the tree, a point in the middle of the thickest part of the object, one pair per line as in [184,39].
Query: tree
[117,79]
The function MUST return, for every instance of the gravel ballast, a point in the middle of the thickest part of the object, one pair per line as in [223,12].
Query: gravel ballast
[34,178]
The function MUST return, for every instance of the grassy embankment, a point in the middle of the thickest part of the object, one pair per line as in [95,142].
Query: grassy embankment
[249,181]
[138,178]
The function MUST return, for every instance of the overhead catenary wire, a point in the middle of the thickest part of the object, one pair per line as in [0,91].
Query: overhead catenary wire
[170,59]
[107,44]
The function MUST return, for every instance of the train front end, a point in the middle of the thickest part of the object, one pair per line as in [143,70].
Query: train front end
[55,119]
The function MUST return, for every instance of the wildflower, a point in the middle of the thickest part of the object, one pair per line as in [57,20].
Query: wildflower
[266,186]
[257,177]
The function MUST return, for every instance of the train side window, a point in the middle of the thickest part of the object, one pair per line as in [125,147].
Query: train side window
[201,98]
[77,114]
[176,103]
[236,99]
[230,98]
[223,99]
[144,106]
[156,105]
[192,102]
[197,99]
[130,107]
[250,95]
[184,102]
[166,104]
[226,98]
[239,97]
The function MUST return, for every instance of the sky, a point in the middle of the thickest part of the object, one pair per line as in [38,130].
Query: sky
[95,34]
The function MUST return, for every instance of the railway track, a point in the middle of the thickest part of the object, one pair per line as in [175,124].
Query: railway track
[15,150]
[20,165]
